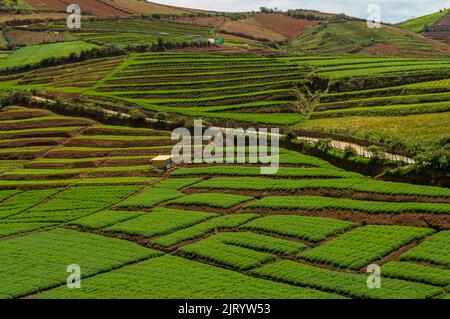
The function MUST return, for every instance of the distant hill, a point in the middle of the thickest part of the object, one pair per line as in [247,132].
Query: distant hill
[111,7]
[344,37]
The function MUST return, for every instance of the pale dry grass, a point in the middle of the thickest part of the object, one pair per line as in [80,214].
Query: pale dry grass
[414,129]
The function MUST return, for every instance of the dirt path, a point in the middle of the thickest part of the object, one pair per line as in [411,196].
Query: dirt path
[340,145]
[336,144]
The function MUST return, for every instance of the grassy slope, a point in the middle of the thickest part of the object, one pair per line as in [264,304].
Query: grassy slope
[355,37]
[420,24]
[35,53]
[430,126]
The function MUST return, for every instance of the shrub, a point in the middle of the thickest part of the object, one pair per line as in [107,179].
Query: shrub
[324,144]
[377,153]
[349,151]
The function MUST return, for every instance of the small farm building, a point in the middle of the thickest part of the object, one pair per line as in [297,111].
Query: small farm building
[163,162]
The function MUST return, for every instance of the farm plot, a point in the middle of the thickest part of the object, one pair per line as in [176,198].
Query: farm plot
[151,197]
[8,229]
[221,222]
[39,261]
[26,173]
[211,200]
[310,228]
[75,203]
[160,221]
[418,273]
[74,182]
[229,255]
[177,183]
[348,284]
[24,201]
[77,76]
[352,184]
[4,55]
[364,245]
[434,250]
[321,202]
[8,165]
[214,86]
[283,172]
[105,218]
[259,242]
[174,277]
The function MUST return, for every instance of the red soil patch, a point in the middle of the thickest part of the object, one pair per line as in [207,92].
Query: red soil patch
[56,5]
[381,49]
[253,29]
[287,26]
[19,114]
[44,123]
[22,37]
[30,142]
[214,22]
[97,7]
[110,131]
[80,142]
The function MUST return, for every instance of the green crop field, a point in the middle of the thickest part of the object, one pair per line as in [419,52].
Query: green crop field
[43,257]
[309,228]
[433,250]
[350,250]
[345,283]
[353,120]
[222,214]
[34,54]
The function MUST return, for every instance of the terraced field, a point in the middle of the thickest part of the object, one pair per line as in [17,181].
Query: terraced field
[130,32]
[260,89]
[246,88]
[59,150]
[301,233]
[370,98]
[74,190]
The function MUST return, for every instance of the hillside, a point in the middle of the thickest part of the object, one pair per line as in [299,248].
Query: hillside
[344,37]
[420,24]
[322,161]
[435,26]
[440,31]
[111,7]
[268,27]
